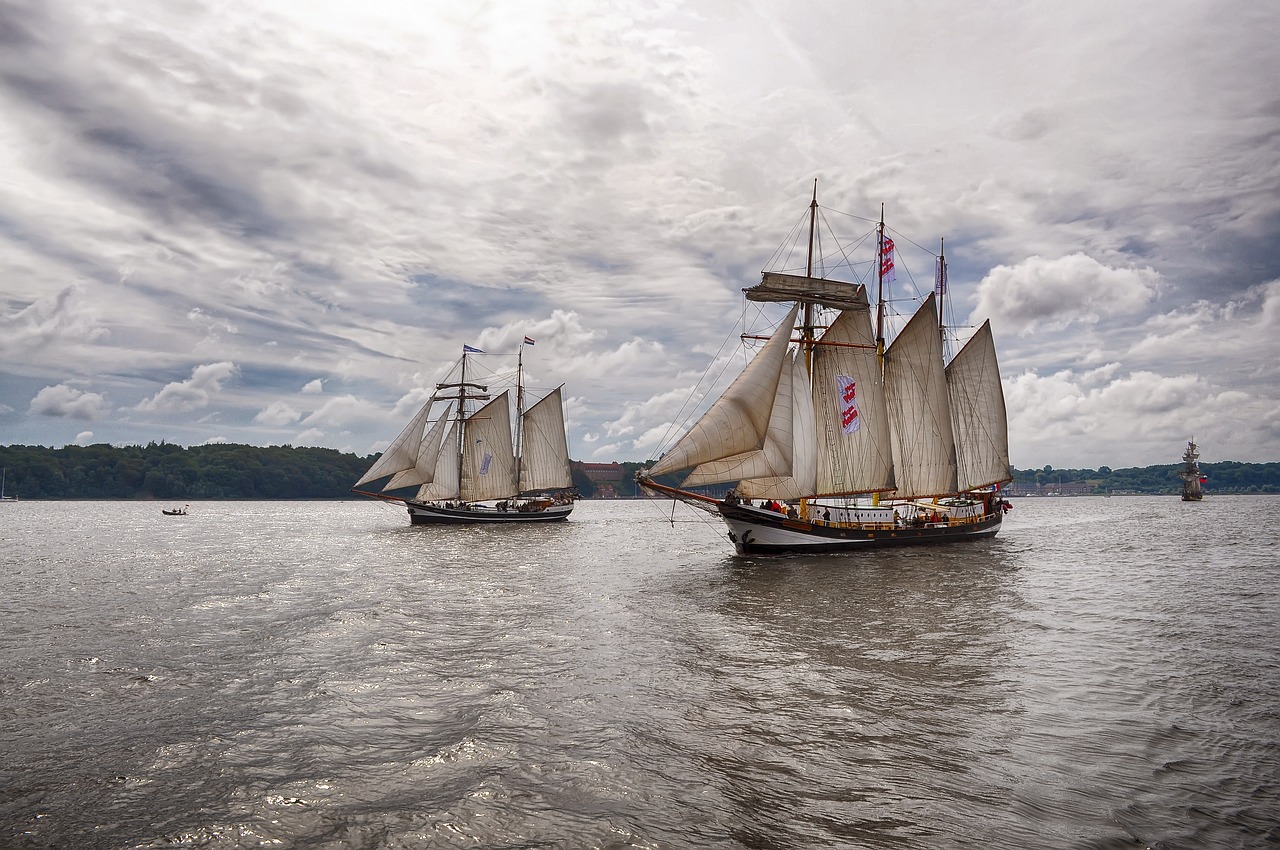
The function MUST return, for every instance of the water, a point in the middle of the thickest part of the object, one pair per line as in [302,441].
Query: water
[1101,675]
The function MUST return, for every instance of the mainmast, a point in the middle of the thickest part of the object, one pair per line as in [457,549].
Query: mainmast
[807,332]
[880,290]
[940,284]
[461,415]
[519,411]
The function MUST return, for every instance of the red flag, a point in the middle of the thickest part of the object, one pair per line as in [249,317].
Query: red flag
[886,259]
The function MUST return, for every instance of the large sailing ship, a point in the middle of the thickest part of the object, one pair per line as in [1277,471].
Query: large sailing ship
[461,461]
[836,439]
[1190,473]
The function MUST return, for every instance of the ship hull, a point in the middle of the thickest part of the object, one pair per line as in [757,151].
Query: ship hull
[756,531]
[424,513]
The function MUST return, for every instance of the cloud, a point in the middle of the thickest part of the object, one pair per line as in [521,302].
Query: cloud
[69,402]
[1056,293]
[66,316]
[309,437]
[336,197]
[336,411]
[83,438]
[192,394]
[277,413]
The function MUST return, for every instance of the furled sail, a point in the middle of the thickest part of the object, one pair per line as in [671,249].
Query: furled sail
[738,421]
[854,454]
[402,454]
[544,461]
[488,462]
[978,415]
[836,294]
[924,451]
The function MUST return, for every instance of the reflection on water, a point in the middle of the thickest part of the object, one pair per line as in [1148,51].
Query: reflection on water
[1100,675]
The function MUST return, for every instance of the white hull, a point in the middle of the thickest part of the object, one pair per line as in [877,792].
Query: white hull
[758,531]
[431,514]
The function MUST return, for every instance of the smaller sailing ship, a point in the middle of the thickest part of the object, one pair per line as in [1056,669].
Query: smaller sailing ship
[1190,473]
[460,461]
[4,474]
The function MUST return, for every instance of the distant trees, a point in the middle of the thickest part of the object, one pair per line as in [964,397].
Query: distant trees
[1223,477]
[167,471]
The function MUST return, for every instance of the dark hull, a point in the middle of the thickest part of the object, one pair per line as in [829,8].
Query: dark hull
[755,531]
[427,514]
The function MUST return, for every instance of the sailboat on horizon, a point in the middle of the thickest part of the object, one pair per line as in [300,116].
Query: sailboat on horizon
[460,460]
[1190,473]
[836,439]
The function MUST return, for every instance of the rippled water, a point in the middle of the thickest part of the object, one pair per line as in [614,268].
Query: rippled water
[1103,674]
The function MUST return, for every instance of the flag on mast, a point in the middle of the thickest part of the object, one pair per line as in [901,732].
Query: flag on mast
[528,341]
[466,347]
[886,260]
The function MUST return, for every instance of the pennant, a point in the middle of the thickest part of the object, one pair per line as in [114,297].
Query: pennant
[850,421]
[472,350]
[886,260]
[528,341]
[941,276]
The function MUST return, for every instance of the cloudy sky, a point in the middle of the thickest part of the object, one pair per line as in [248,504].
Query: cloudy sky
[275,221]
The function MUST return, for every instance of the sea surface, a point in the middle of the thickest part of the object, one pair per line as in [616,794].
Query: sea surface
[1103,674]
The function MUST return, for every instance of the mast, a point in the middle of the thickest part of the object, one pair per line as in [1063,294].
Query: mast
[807,331]
[880,289]
[462,415]
[519,410]
[941,285]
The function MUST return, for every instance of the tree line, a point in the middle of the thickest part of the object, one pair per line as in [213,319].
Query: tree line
[167,471]
[1228,476]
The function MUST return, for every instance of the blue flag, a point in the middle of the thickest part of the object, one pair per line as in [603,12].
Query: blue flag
[472,350]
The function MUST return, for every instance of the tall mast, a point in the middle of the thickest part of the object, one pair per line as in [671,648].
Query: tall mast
[519,410]
[880,289]
[807,332]
[462,415]
[941,285]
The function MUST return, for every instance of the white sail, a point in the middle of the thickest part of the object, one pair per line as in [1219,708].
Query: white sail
[544,451]
[424,468]
[443,486]
[978,415]
[402,454]
[790,445]
[488,462]
[738,421]
[924,450]
[854,453]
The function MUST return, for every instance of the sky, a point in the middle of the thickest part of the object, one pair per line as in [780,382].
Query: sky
[276,223]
